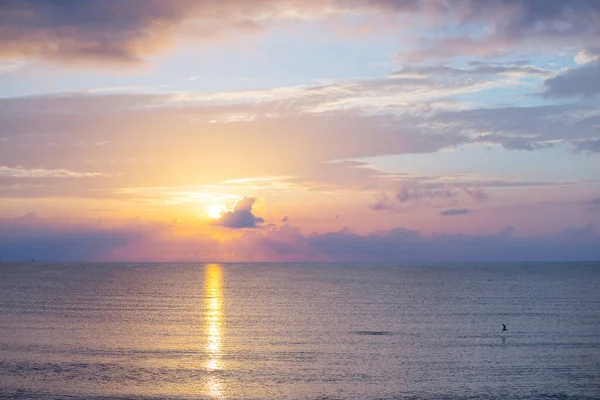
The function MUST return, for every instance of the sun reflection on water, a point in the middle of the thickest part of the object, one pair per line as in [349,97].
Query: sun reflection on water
[214,327]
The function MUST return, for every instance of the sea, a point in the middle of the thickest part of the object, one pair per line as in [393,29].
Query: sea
[299,331]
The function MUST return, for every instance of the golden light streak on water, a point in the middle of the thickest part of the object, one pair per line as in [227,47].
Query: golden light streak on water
[213,291]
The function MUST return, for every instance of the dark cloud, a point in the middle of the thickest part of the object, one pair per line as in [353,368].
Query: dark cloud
[241,216]
[581,81]
[451,212]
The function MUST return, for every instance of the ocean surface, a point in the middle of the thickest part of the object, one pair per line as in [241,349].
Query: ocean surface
[299,331]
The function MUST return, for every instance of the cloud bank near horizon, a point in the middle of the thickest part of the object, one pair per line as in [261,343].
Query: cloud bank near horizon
[31,237]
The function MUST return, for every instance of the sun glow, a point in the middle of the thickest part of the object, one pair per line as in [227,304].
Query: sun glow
[216,211]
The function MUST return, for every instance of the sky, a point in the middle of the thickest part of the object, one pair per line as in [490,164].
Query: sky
[300,130]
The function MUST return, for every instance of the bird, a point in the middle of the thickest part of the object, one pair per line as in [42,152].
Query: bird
[504,328]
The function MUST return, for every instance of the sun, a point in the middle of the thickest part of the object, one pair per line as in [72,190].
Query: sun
[216,211]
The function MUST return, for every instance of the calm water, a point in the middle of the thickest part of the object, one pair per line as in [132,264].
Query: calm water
[299,331]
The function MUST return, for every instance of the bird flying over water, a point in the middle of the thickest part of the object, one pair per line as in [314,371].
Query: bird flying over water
[503,328]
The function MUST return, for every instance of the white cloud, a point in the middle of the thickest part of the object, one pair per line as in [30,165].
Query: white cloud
[586,56]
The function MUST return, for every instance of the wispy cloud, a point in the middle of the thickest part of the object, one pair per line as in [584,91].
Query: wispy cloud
[20,172]
[7,66]
[478,69]
[62,133]
[416,190]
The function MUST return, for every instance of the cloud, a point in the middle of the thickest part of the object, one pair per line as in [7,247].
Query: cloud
[402,244]
[527,128]
[61,132]
[478,68]
[587,55]
[477,194]
[581,81]
[536,26]
[398,107]
[414,191]
[30,236]
[20,172]
[136,133]
[383,202]
[451,212]
[8,66]
[525,144]
[125,32]
[241,216]
[420,189]
[588,145]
